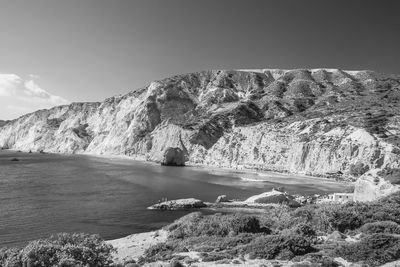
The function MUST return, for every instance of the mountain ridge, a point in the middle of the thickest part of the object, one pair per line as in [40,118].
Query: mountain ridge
[317,121]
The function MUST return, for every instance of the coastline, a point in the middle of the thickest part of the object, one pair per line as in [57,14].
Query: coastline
[259,175]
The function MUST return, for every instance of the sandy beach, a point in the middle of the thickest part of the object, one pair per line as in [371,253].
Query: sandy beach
[133,246]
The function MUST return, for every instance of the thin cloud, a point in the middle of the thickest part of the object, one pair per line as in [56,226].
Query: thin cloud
[24,95]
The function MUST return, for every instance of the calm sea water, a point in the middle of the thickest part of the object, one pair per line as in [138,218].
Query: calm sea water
[44,194]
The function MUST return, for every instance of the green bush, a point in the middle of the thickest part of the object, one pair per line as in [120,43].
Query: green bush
[161,251]
[273,246]
[374,250]
[215,256]
[215,243]
[318,259]
[284,233]
[175,263]
[215,225]
[60,250]
[391,199]
[343,220]
[10,257]
[386,227]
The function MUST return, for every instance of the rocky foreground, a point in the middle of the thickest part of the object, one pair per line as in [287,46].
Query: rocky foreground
[317,121]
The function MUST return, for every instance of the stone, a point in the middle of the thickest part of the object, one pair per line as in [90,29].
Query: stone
[174,156]
[274,197]
[372,186]
[335,236]
[179,204]
[221,198]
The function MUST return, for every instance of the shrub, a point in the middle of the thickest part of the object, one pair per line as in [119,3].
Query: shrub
[272,246]
[175,263]
[215,256]
[161,251]
[215,243]
[60,250]
[343,220]
[386,227]
[374,250]
[319,259]
[392,199]
[246,224]
[10,257]
[215,225]
[304,230]
[41,253]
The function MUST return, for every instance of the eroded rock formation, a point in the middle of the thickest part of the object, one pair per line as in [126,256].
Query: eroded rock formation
[374,185]
[318,122]
[174,156]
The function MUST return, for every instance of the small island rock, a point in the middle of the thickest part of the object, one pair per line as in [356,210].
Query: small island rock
[179,204]
[221,198]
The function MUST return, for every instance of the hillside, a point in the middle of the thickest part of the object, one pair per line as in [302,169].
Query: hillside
[319,121]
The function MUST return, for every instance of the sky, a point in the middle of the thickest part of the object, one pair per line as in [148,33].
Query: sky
[54,52]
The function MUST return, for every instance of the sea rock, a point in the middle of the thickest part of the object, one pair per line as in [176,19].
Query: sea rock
[222,198]
[372,186]
[174,156]
[309,121]
[14,159]
[274,197]
[179,204]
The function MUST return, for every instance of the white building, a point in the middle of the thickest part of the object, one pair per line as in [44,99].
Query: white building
[341,197]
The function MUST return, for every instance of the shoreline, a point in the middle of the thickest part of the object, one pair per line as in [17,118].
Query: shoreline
[209,168]
[259,174]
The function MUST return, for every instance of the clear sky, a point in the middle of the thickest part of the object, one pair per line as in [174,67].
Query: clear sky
[54,52]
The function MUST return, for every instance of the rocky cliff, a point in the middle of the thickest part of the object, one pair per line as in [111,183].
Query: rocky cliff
[319,121]
[376,184]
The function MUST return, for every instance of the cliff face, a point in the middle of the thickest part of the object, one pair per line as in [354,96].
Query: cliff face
[304,121]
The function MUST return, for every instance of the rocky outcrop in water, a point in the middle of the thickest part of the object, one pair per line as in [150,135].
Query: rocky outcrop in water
[274,197]
[221,198]
[179,204]
[317,122]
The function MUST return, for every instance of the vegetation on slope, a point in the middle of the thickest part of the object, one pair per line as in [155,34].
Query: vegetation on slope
[290,234]
[358,232]
[64,250]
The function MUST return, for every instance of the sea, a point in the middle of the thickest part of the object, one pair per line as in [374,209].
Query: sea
[44,194]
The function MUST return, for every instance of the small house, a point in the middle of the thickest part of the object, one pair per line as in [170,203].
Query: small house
[341,197]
